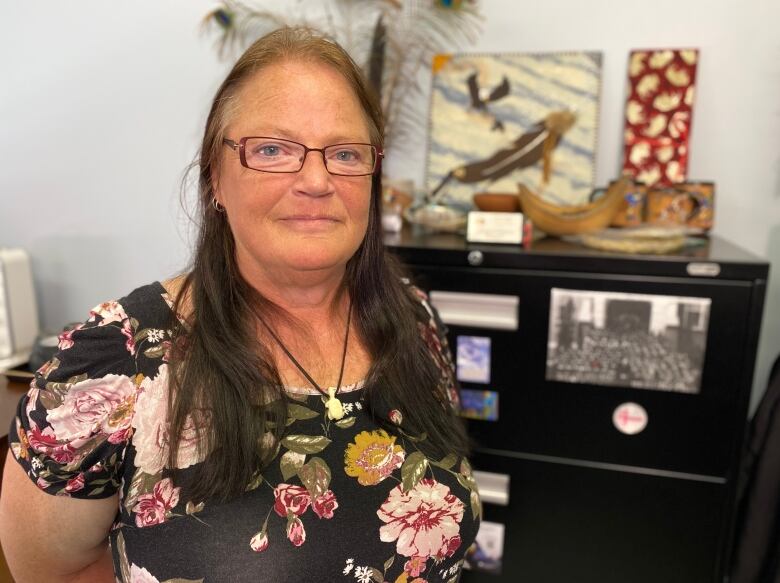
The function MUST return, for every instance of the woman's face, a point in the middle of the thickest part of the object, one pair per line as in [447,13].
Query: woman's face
[286,225]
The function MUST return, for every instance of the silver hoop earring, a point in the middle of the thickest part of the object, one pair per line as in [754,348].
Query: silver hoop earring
[217,207]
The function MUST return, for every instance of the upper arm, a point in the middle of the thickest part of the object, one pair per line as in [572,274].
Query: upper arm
[44,535]
[66,451]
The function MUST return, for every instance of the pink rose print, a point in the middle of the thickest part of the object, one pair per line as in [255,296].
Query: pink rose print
[75,484]
[396,417]
[424,521]
[150,436]
[415,566]
[259,542]
[141,575]
[65,338]
[153,508]
[295,532]
[109,312]
[324,504]
[48,367]
[45,442]
[166,344]
[452,546]
[121,436]
[289,498]
[418,292]
[103,405]
[127,330]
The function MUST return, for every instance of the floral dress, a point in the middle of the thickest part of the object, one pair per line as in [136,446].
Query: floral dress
[343,500]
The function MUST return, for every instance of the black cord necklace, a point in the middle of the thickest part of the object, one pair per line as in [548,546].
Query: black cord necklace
[334,406]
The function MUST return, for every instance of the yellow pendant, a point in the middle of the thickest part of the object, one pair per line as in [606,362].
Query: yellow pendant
[335,408]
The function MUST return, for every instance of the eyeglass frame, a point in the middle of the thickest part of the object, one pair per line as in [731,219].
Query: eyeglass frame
[241,145]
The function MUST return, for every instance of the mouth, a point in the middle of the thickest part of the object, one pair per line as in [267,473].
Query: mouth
[306,222]
[311,218]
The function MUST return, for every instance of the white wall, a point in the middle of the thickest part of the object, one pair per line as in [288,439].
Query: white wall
[102,105]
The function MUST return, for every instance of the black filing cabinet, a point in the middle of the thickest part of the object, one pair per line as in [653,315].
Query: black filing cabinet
[615,481]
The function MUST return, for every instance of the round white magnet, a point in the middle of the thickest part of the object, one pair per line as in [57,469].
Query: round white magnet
[630,418]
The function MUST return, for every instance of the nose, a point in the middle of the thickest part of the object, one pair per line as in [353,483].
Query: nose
[313,178]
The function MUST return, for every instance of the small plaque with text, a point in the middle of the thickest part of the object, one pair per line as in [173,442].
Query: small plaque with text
[488,227]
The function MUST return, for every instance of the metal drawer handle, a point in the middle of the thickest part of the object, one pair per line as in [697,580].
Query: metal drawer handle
[477,310]
[493,488]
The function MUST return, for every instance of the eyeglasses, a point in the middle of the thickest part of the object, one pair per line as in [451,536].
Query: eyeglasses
[267,154]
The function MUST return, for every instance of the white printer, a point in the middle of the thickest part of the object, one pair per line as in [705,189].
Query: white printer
[18,308]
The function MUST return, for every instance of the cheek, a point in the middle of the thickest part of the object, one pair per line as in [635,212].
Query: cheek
[249,194]
[358,203]
[365,211]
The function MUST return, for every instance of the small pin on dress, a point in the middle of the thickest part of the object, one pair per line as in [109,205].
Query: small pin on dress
[334,406]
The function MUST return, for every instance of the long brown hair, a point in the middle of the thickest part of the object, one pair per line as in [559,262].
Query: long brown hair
[217,363]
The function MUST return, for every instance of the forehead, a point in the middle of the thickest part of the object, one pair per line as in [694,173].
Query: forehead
[299,100]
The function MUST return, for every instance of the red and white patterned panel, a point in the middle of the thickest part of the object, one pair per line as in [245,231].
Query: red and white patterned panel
[659,109]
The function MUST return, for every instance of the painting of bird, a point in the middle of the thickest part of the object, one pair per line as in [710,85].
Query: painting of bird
[481,97]
[537,144]
[502,118]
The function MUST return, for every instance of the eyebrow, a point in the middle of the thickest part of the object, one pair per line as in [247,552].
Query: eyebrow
[286,135]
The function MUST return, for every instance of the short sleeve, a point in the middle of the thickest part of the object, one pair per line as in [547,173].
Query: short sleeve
[434,332]
[73,425]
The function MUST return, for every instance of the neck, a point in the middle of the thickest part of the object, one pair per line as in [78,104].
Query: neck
[309,295]
[331,392]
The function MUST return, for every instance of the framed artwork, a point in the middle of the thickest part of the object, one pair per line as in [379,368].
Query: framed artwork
[478,404]
[487,553]
[472,359]
[500,119]
[632,340]
[659,110]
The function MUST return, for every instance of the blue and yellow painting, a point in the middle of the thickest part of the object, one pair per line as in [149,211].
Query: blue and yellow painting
[503,119]
[482,405]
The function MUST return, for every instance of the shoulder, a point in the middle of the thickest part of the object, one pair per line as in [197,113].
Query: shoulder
[149,304]
[177,292]
[71,427]
[119,339]
[429,314]
[434,333]
[107,337]
[108,340]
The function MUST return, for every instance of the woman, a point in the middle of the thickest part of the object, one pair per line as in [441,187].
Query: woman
[285,411]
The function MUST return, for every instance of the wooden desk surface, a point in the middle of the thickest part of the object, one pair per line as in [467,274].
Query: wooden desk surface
[10,393]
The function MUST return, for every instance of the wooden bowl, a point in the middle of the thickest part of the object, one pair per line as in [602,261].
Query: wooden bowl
[496,202]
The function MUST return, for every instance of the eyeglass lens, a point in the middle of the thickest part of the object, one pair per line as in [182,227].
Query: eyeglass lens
[275,155]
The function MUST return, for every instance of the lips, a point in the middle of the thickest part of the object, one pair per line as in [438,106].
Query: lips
[310,223]
[312,218]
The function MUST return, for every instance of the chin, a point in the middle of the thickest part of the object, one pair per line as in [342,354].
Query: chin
[317,262]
